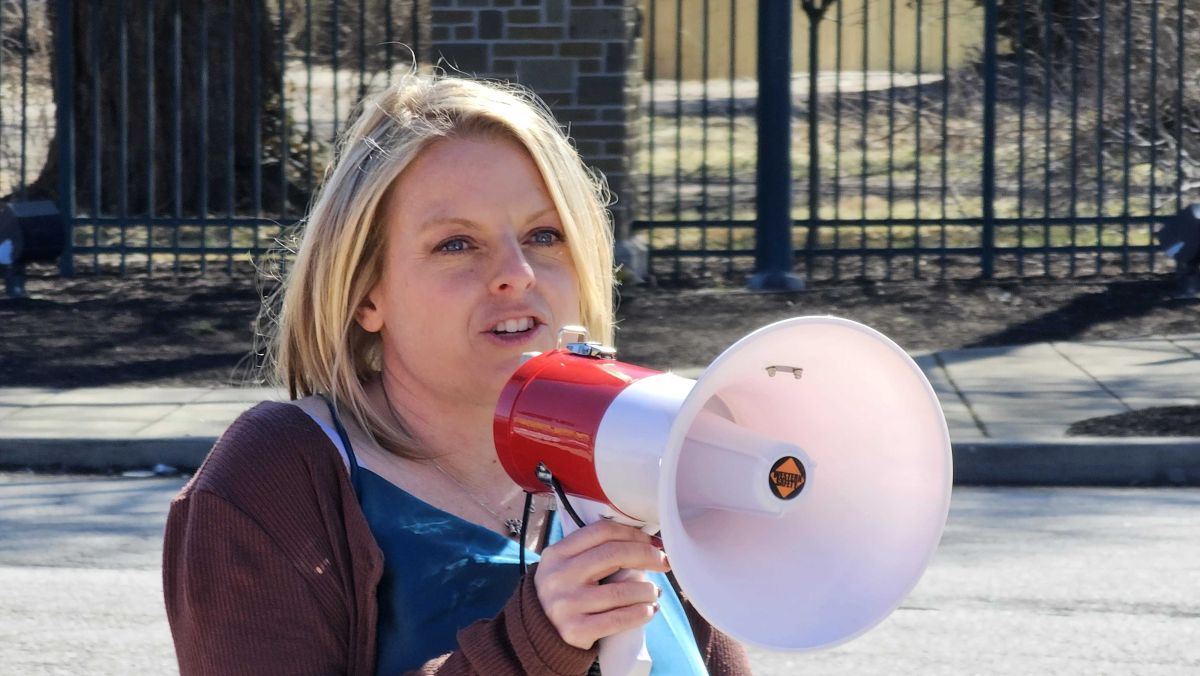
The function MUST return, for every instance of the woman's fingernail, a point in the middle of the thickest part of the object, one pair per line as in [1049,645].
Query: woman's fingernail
[658,591]
[655,607]
[656,541]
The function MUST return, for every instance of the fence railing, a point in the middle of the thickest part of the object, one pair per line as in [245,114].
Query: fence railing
[955,138]
[189,132]
[942,137]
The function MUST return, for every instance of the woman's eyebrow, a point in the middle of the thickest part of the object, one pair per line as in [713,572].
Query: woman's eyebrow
[468,223]
[541,213]
[443,220]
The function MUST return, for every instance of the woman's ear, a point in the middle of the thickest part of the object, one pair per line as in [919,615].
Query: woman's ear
[369,314]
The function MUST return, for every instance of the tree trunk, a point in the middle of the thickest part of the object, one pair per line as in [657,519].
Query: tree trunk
[161,117]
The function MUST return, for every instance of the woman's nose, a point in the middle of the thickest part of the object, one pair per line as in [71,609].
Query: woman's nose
[513,271]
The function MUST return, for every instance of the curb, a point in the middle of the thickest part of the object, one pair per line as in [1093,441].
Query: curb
[101,455]
[1080,461]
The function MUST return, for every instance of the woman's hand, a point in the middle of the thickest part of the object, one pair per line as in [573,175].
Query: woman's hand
[568,582]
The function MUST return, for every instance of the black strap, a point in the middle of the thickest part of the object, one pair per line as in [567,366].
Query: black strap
[525,528]
[355,479]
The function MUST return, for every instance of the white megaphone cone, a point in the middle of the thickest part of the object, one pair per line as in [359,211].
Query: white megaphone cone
[801,485]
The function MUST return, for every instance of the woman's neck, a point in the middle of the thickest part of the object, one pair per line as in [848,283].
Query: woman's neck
[467,479]
[455,435]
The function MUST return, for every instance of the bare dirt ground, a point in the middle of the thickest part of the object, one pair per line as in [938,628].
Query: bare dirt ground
[194,330]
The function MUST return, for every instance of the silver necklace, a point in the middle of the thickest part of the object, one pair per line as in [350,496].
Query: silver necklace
[512,525]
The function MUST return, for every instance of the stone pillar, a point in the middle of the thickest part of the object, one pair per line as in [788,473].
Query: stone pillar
[583,57]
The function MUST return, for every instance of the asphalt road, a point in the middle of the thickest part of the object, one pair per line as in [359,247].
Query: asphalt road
[1026,581]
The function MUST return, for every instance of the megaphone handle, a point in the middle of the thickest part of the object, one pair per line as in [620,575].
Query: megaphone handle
[625,653]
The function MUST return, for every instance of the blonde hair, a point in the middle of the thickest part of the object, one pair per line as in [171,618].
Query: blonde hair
[317,346]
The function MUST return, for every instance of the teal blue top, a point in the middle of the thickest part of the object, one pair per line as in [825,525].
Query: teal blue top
[442,573]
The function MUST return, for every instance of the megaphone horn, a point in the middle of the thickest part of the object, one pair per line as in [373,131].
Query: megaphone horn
[800,485]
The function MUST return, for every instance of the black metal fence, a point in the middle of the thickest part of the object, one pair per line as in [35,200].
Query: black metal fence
[184,133]
[955,138]
[949,138]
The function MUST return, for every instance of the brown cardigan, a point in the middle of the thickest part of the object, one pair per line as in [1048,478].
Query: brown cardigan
[269,567]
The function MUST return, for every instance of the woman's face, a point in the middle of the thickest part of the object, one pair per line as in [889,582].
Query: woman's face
[476,270]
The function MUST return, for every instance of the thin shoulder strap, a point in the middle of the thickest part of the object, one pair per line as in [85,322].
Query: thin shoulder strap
[355,478]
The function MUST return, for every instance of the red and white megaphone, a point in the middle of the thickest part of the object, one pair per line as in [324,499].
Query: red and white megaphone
[800,485]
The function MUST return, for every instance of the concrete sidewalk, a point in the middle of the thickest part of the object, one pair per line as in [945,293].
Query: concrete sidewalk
[1008,409]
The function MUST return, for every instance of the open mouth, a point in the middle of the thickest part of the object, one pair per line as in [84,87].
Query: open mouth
[510,327]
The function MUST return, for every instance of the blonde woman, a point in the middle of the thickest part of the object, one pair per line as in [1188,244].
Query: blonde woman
[367,526]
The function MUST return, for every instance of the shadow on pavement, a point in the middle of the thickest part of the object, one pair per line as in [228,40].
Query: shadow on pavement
[1118,301]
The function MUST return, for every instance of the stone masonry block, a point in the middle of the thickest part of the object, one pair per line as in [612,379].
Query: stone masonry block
[614,115]
[547,74]
[524,16]
[603,132]
[466,57]
[611,166]
[555,10]
[517,49]
[615,57]
[589,149]
[615,147]
[581,49]
[491,24]
[535,33]
[573,115]
[467,32]
[601,89]
[504,67]
[600,24]
[556,100]
[452,16]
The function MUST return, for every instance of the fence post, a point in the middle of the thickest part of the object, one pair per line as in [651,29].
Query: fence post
[773,235]
[816,12]
[989,139]
[64,77]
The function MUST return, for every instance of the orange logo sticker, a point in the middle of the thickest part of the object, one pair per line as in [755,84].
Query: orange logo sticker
[787,478]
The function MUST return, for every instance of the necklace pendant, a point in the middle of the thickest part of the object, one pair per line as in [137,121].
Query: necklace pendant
[513,526]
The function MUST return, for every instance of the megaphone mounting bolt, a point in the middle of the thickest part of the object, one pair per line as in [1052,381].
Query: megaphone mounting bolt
[796,372]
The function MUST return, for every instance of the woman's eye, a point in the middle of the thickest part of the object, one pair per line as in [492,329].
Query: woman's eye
[546,237]
[453,245]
